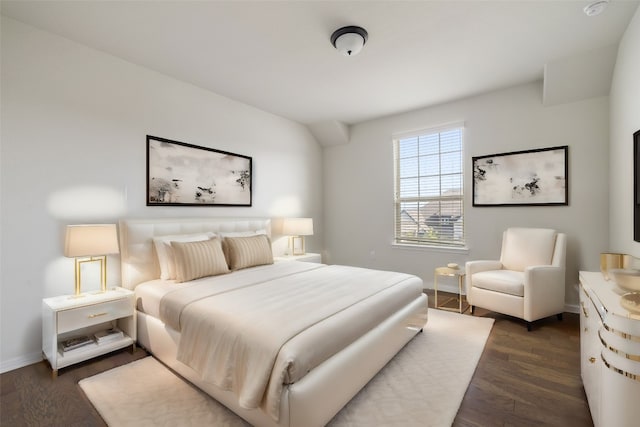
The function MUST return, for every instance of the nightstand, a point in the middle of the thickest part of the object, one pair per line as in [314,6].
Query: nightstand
[66,317]
[308,257]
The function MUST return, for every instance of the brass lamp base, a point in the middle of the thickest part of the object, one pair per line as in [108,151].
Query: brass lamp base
[78,273]
[296,245]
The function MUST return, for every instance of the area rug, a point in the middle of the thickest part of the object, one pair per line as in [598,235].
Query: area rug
[423,385]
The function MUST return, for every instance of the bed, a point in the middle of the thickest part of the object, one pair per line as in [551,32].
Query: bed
[313,334]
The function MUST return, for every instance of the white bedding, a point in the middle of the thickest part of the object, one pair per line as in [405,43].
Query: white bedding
[254,330]
[150,294]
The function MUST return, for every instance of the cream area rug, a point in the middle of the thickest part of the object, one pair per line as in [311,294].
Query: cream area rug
[423,385]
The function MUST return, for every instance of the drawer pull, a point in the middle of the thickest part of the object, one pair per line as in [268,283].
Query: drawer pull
[592,359]
[91,316]
[584,310]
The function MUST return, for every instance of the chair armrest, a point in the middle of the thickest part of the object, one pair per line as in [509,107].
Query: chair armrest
[472,267]
[544,290]
[543,276]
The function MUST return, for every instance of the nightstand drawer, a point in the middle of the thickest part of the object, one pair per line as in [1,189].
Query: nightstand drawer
[69,320]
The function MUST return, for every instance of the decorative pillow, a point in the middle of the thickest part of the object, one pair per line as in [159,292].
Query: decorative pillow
[225,234]
[243,252]
[198,259]
[165,252]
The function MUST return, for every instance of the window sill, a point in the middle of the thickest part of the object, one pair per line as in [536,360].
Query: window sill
[428,248]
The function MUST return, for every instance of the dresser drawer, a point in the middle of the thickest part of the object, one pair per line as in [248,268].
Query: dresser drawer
[69,320]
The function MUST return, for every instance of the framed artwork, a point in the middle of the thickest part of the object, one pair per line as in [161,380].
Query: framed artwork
[636,186]
[180,174]
[522,178]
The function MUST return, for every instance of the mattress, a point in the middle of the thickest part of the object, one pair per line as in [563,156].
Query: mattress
[292,316]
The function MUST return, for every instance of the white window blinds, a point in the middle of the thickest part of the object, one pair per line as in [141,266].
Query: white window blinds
[429,208]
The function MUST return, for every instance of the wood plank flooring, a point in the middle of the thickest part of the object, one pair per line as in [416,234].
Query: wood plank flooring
[527,378]
[523,379]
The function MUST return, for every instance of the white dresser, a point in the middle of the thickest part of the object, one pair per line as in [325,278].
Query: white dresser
[609,353]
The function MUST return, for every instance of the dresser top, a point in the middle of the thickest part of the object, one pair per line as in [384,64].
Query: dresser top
[606,295]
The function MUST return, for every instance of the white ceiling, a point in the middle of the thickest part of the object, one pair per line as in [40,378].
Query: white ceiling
[277,56]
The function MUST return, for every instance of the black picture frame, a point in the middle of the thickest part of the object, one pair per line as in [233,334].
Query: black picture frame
[181,174]
[636,186]
[537,177]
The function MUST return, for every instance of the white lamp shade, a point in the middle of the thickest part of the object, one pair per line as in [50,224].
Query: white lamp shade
[91,240]
[297,227]
[349,44]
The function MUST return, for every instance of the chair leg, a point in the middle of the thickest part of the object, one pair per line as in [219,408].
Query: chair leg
[528,326]
[472,309]
[559,316]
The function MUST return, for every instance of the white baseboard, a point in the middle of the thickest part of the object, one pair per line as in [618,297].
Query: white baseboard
[20,362]
[572,308]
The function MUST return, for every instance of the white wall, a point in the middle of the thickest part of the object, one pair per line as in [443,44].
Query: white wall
[625,120]
[358,182]
[74,122]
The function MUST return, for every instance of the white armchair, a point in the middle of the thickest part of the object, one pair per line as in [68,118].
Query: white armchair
[529,280]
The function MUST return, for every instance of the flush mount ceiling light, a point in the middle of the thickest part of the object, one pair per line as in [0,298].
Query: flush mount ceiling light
[596,7]
[349,40]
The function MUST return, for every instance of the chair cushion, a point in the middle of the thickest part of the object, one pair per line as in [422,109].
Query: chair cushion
[524,247]
[503,281]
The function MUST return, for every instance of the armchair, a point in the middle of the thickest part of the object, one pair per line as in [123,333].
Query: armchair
[527,282]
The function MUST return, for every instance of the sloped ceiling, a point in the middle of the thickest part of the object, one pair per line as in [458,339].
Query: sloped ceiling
[277,56]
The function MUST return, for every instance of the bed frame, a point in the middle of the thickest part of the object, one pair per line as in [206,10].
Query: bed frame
[320,394]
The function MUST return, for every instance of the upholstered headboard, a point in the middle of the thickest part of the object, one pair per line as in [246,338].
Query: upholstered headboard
[137,255]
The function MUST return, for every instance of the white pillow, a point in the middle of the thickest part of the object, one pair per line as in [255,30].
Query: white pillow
[165,251]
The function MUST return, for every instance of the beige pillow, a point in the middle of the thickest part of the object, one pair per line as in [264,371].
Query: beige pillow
[165,252]
[225,234]
[243,252]
[198,259]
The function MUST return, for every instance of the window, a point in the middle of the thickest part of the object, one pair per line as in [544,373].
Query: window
[429,179]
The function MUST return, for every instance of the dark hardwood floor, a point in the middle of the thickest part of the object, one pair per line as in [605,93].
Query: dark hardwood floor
[29,396]
[527,378]
[523,379]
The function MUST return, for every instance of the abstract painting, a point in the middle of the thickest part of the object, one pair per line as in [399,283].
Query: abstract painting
[522,178]
[180,174]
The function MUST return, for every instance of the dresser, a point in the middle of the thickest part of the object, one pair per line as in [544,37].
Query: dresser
[609,353]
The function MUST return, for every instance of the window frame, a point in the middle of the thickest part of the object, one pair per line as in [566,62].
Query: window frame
[398,239]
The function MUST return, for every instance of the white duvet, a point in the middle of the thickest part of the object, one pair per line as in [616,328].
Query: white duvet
[254,330]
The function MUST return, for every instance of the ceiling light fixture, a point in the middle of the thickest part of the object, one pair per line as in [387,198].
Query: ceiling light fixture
[349,40]
[596,7]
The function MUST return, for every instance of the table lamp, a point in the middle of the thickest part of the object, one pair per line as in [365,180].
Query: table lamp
[91,243]
[296,229]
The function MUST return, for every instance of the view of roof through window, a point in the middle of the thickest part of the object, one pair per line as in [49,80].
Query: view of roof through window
[429,188]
